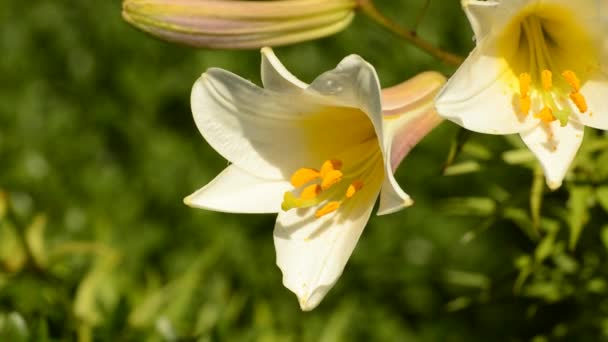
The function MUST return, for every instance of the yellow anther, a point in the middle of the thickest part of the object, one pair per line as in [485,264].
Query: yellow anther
[524,84]
[331,178]
[354,188]
[310,192]
[525,103]
[545,115]
[328,208]
[330,165]
[572,80]
[547,79]
[303,176]
[579,101]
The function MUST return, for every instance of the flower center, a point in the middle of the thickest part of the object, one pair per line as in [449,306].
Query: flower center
[553,100]
[543,49]
[327,187]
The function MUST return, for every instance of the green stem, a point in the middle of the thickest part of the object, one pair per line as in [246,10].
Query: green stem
[368,8]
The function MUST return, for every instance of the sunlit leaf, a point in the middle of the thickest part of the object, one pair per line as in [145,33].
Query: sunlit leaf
[34,237]
[13,328]
[578,205]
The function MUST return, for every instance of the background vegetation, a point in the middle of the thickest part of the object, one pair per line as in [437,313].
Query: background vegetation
[98,148]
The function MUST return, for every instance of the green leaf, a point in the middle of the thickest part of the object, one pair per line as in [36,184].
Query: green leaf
[601,193]
[604,236]
[96,295]
[469,206]
[518,157]
[578,216]
[536,196]
[456,146]
[34,237]
[462,168]
[13,328]
[12,253]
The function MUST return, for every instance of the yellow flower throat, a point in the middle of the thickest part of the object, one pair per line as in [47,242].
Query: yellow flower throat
[541,47]
[328,185]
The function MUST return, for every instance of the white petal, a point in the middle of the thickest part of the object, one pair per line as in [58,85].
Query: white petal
[555,147]
[481,15]
[237,191]
[272,134]
[479,96]
[595,91]
[312,252]
[275,76]
[258,130]
[353,83]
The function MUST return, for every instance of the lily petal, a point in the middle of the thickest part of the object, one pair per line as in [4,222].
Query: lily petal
[276,77]
[237,191]
[409,115]
[312,253]
[595,91]
[244,123]
[354,82]
[477,96]
[555,147]
[481,15]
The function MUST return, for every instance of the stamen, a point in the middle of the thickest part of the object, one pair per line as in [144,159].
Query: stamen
[331,178]
[524,89]
[547,79]
[524,84]
[330,165]
[303,176]
[328,208]
[572,80]
[579,101]
[525,103]
[310,192]
[545,115]
[354,188]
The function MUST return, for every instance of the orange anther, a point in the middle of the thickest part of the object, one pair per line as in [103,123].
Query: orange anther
[572,80]
[354,188]
[546,115]
[547,79]
[525,103]
[310,192]
[524,84]
[331,178]
[303,176]
[579,101]
[330,165]
[328,208]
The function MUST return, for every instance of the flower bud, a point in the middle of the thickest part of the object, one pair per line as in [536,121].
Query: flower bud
[239,24]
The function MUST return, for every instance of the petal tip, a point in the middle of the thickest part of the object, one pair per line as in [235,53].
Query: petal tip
[553,184]
[188,201]
[310,301]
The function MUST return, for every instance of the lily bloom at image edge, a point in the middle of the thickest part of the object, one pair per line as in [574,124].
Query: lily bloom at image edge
[537,70]
[239,24]
[317,154]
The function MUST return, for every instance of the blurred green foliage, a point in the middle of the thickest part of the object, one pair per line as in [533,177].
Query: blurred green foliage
[98,147]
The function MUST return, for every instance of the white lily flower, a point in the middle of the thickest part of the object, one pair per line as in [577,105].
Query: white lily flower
[537,70]
[319,155]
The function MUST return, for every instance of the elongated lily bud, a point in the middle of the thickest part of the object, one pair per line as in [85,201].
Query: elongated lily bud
[409,112]
[239,24]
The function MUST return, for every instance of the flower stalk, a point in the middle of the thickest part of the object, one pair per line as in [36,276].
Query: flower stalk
[368,8]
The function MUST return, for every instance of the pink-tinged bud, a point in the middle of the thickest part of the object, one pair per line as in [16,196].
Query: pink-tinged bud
[236,24]
[409,112]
